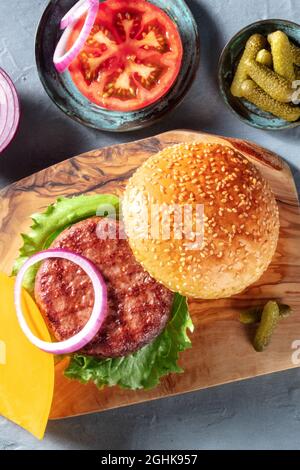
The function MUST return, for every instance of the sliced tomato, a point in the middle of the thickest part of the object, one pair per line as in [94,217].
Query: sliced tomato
[131,58]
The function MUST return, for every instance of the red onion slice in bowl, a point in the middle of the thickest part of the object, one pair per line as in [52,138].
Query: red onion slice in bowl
[9,110]
[79,9]
[62,58]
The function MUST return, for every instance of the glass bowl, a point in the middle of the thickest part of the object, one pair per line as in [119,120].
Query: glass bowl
[65,95]
[230,56]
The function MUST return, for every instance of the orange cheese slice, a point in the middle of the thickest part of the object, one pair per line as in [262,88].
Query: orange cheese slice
[26,373]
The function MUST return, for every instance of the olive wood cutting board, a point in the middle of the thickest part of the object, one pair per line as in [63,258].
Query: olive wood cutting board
[222,350]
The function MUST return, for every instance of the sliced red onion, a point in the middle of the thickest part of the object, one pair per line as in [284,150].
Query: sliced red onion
[79,9]
[63,59]
[98,314]
[9,110]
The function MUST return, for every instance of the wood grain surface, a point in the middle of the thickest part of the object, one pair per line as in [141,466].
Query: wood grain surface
[222,350]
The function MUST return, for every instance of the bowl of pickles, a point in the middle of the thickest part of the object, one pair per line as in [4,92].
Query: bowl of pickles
[259,74]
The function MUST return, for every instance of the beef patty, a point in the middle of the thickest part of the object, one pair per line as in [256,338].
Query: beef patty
[138,306]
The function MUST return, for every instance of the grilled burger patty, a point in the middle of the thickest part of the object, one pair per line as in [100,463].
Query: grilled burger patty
[138,306]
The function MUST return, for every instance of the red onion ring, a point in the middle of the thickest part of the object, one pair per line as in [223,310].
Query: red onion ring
[9,110]
[63,59]
[98,314]
[79,9]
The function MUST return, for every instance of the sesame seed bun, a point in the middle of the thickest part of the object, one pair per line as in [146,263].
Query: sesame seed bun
[240,222]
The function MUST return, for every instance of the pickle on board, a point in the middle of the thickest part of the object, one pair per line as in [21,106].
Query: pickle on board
[254,44]
[273,84]
[263,101]
[264,57]
[295,54]
[282,55]
[253,315]
[269,321]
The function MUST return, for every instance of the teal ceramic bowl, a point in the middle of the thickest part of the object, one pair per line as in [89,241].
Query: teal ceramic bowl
[66,96]
[229,60]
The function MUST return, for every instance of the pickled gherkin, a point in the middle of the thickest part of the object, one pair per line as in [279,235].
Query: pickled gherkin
[264,57]
[282,55]
[262,100]
[254,44]
[253,315]
[296,54]
[274,85]
[269,321]
[268,76]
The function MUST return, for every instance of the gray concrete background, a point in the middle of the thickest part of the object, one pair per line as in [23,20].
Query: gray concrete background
[262,413]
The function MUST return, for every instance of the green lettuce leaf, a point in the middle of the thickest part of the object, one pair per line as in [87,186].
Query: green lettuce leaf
[143,369]
[49,224]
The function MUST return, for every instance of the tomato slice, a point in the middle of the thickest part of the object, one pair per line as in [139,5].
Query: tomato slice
[131,58]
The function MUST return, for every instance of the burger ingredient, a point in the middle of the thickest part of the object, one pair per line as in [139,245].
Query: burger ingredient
[73,15]
[273,75]
[131,58]
[269,321]
[26,373]
[276,86]
[9,110]
[143,369]
[62,58]
[262,100]
[57,217]
[282,55]
[97,316]
[253,315]
[229,235]
[264,57]
[254,44]
[138,306]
